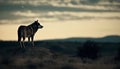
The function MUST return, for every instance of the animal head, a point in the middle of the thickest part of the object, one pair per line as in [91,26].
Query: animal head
[37,24]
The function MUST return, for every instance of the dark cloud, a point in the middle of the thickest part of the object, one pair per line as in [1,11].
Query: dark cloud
[8,7]
[114,1]
[89,1]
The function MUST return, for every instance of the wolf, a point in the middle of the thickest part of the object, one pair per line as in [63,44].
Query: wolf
[28,31]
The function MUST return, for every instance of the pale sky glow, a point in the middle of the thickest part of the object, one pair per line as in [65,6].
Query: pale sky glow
[66,30]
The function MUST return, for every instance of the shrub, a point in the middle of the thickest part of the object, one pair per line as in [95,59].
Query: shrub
[117,57]
[68,67]
[88,50]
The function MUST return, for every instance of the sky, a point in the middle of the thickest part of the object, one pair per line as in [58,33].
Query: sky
[93,16]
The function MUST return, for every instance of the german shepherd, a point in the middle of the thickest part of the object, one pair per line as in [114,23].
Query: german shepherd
[28,31]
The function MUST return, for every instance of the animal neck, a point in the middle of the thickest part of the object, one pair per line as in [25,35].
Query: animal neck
[34,28]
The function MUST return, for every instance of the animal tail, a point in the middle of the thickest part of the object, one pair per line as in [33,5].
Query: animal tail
[19,35]
[19,39]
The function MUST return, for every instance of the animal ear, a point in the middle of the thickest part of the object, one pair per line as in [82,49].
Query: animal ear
[37,20]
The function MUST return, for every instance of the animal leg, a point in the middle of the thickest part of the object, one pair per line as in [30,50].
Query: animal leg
[32,40]
[19,40]
[23,42]
[20,44]
[28,39]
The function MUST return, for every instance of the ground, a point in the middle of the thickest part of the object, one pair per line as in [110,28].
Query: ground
[54,55]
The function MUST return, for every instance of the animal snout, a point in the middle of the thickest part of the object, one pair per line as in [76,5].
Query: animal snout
[41,26]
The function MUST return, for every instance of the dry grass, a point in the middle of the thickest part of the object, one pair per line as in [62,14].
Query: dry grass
[13,57]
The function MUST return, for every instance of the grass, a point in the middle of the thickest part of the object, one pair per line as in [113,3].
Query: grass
[53,55]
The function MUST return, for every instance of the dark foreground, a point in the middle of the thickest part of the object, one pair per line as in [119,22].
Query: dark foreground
[56,55]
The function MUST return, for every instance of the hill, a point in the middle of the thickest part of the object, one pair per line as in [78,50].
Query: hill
[58,54]
[109,39]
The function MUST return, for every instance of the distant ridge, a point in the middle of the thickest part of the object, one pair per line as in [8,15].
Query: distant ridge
[108,39]
[111,38]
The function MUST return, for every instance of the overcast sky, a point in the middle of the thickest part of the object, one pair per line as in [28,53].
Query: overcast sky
[24,11]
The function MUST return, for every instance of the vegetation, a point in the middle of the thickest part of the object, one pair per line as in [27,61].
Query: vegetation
[89,50]
[55,55]
[117,57]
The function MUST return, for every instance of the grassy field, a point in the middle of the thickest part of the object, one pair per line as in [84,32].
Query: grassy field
[55,55]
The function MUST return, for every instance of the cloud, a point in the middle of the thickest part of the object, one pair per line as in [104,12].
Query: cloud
[26,16]
[27,13]
[64,14]
[54,10]
[17,21]
[59,5]
[89,1]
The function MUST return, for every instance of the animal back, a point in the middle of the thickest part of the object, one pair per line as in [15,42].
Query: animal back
[24,31]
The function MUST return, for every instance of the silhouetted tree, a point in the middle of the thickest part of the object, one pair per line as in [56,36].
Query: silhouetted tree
[88,50]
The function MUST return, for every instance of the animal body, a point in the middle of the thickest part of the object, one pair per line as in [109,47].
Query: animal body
[28,31]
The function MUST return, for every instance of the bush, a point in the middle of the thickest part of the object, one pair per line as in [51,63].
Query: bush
[68,67]
[117,57]
[88,50]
